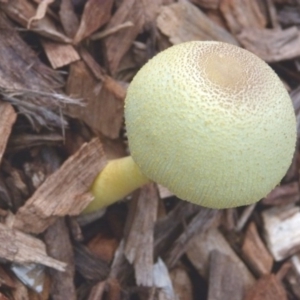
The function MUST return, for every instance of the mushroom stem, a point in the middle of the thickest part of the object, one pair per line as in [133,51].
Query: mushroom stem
[119,178]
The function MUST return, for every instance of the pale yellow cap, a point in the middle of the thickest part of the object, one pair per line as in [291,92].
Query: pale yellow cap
[212,122]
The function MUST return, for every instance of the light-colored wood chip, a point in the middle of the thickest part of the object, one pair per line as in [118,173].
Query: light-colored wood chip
[183,22]
[255,252]
[59,55]
[65,192]
[19,247]
[282,230]
[139,244]
[7,120]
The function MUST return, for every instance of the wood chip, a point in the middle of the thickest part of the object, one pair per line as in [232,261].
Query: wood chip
[40,12]
[27,83]
[111,84]
[267,288]
[22,11]
[59,247]
[59,55]
[272,45]
[240,15]
[8,118]
[64,192]
[225,278]
[255,252]
[18,247]
[281,230]
[103,111]
[95,14]
[68,18]
[139,13]
[201,247]
[182,283]
[183,22]
[139,244]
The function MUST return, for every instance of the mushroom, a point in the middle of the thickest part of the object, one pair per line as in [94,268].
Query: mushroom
[210,121]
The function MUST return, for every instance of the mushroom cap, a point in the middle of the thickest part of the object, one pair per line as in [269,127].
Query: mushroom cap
[212,122]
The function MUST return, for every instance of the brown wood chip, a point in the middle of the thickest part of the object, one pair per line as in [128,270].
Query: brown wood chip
[64,192]
[8,118]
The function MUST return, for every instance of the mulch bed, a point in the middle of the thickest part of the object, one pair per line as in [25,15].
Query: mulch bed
[64,69]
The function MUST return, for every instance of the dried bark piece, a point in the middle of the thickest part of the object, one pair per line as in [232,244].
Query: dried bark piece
[40,12]
[103,111]
[182,283]
[283,194]
[8,118]
[137,12]
[183,22]
[225,280]
[272,45]
[139,243]
[267,288]
[202,246]
[64,192]
[281,225]
[22,11]
[95,14]
[33,90]
[59,55]
[68,18]
[59,247]
[16,246]
[255,252]
[240,15]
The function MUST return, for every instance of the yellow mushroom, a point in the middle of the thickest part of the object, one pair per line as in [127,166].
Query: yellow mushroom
[210,121]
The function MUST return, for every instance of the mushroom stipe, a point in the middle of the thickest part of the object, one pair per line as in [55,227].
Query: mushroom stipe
[210,121]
